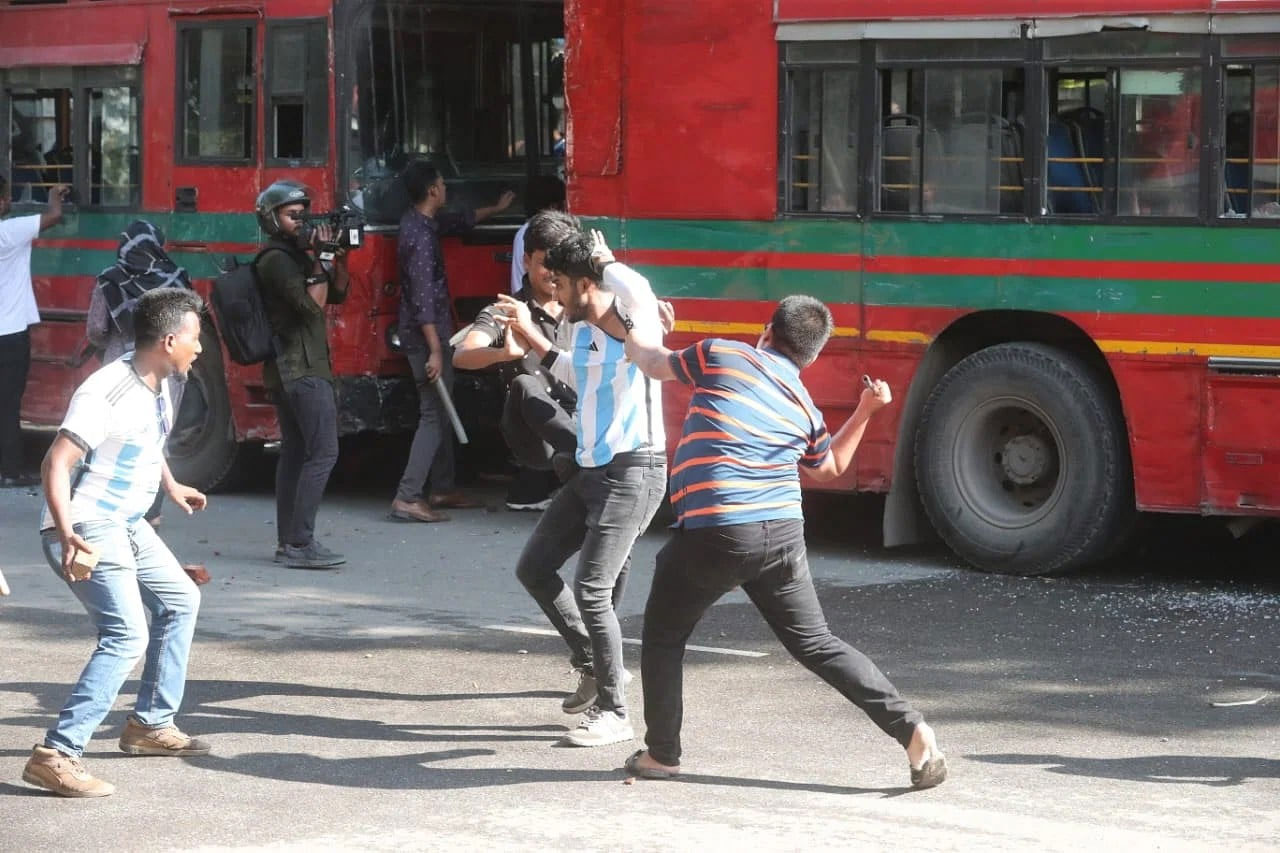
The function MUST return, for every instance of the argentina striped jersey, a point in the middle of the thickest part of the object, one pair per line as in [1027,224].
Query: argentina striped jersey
[750,422]
[619,408]
[121,425]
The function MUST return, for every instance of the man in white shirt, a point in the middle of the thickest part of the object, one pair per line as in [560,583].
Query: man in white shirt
[100,476]
[17,312]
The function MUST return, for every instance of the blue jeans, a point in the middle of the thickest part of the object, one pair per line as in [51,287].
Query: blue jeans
[599,512]
[136,575]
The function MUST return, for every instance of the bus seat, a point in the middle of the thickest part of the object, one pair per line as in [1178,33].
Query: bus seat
[900,164]
[965,179]
[1010,165]
[1061,172]
[1235,175]
[1089,125]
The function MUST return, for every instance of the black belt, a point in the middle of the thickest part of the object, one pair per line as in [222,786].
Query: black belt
[645,457]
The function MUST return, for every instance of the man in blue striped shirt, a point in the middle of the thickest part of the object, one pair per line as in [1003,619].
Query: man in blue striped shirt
[609,502]
[735,488]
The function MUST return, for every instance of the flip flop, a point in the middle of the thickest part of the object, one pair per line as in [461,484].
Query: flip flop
[931,774]
[647,772]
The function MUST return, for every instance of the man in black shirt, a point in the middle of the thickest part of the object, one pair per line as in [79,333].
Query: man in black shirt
[295,289]
[537,418]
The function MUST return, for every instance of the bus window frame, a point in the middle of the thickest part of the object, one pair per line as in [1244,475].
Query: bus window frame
[83,79]
[1036,74]
[268,124]
[180,157]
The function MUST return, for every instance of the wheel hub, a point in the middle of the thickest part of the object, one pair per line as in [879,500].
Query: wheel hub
[1025,459]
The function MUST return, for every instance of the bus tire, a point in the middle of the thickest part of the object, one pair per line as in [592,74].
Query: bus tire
[202,447]
[1022,461]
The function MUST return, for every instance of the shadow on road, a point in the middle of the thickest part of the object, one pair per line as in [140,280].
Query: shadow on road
[1215,771]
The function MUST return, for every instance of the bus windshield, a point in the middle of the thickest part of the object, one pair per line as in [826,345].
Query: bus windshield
[477,89]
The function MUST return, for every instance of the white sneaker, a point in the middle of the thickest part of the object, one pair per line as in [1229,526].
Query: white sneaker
[535,506]
[599,728]
[585,695]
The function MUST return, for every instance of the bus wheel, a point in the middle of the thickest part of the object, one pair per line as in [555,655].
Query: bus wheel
[1022,461]
[202,445]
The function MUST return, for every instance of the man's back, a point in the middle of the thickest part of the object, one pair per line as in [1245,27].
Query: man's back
[17,302]
[750,422]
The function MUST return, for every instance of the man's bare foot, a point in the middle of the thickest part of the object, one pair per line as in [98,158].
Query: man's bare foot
[643,765]
[928,764]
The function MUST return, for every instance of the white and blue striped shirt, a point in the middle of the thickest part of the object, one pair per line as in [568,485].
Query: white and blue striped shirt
[619,408]
[121,424]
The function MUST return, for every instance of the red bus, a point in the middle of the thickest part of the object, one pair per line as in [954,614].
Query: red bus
[1048,224]
[180,112]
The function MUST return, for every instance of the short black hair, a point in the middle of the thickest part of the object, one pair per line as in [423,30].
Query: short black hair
[544,192]
[549,229]
[161,312]
[572,257]
[418,177]
[801,326]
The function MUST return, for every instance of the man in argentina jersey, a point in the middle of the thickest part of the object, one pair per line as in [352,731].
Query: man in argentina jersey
[100,476]
[609,502]
[735,488]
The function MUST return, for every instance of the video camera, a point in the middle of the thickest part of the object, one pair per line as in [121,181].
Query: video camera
[348,224]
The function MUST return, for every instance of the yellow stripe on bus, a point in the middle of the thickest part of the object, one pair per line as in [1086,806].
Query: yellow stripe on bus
[1189,348]
[718,327]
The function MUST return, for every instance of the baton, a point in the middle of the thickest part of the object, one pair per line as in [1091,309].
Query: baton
[448,407]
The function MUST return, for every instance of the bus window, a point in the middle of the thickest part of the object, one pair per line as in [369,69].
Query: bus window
[1158,158]
[1077,168]
[218,94]
[477,90]
[821,169]
[52,142]
[1251,136]
[297,92]
[951,140]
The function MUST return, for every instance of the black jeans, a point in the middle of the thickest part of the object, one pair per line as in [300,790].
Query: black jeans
[15,362]
[536,426]
[601,512]
[768,560]
[308,415]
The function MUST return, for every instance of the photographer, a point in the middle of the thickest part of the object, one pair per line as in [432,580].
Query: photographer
[296,285]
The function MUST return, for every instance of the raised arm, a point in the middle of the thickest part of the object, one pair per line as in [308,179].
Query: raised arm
[846,440]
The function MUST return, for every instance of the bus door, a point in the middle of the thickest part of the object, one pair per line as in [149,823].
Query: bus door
[476,89]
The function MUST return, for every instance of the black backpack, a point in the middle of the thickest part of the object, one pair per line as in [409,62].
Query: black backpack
[242,318]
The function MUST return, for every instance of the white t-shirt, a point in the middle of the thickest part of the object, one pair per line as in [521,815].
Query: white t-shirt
[122,424]
[517,259]
[17,299]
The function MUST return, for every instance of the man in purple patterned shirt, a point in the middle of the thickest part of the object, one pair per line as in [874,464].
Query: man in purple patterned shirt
[426,324]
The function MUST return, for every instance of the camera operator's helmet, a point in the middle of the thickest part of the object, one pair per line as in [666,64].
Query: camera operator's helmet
[275,197]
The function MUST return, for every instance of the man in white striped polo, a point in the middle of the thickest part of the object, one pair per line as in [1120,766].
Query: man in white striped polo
[605,506]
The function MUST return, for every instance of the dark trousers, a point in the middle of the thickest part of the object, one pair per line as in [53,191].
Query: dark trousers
[430,466]
[308,415]
[535,427]
[768,560]
[15,362]
[599,512]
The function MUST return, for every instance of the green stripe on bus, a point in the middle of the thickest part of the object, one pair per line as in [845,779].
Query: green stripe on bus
[207,227]
[750,283]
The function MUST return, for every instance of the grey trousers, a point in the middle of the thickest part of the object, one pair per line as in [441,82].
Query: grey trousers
[430,467]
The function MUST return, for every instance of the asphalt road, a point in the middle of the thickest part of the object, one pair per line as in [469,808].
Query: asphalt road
[400,702]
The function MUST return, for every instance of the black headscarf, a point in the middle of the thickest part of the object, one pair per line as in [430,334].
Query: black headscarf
[141,265]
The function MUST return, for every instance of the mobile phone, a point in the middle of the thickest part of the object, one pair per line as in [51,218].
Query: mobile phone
[866,380]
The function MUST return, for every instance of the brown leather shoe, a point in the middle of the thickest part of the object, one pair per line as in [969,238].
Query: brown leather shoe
[63,774]
[138,739]
[453,500]
[414,511]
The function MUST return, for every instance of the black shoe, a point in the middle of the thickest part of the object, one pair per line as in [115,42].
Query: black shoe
[564,465]
[313,556]
[22,481]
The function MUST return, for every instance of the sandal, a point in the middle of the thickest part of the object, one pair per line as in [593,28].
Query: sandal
[930,774]
[633,767]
